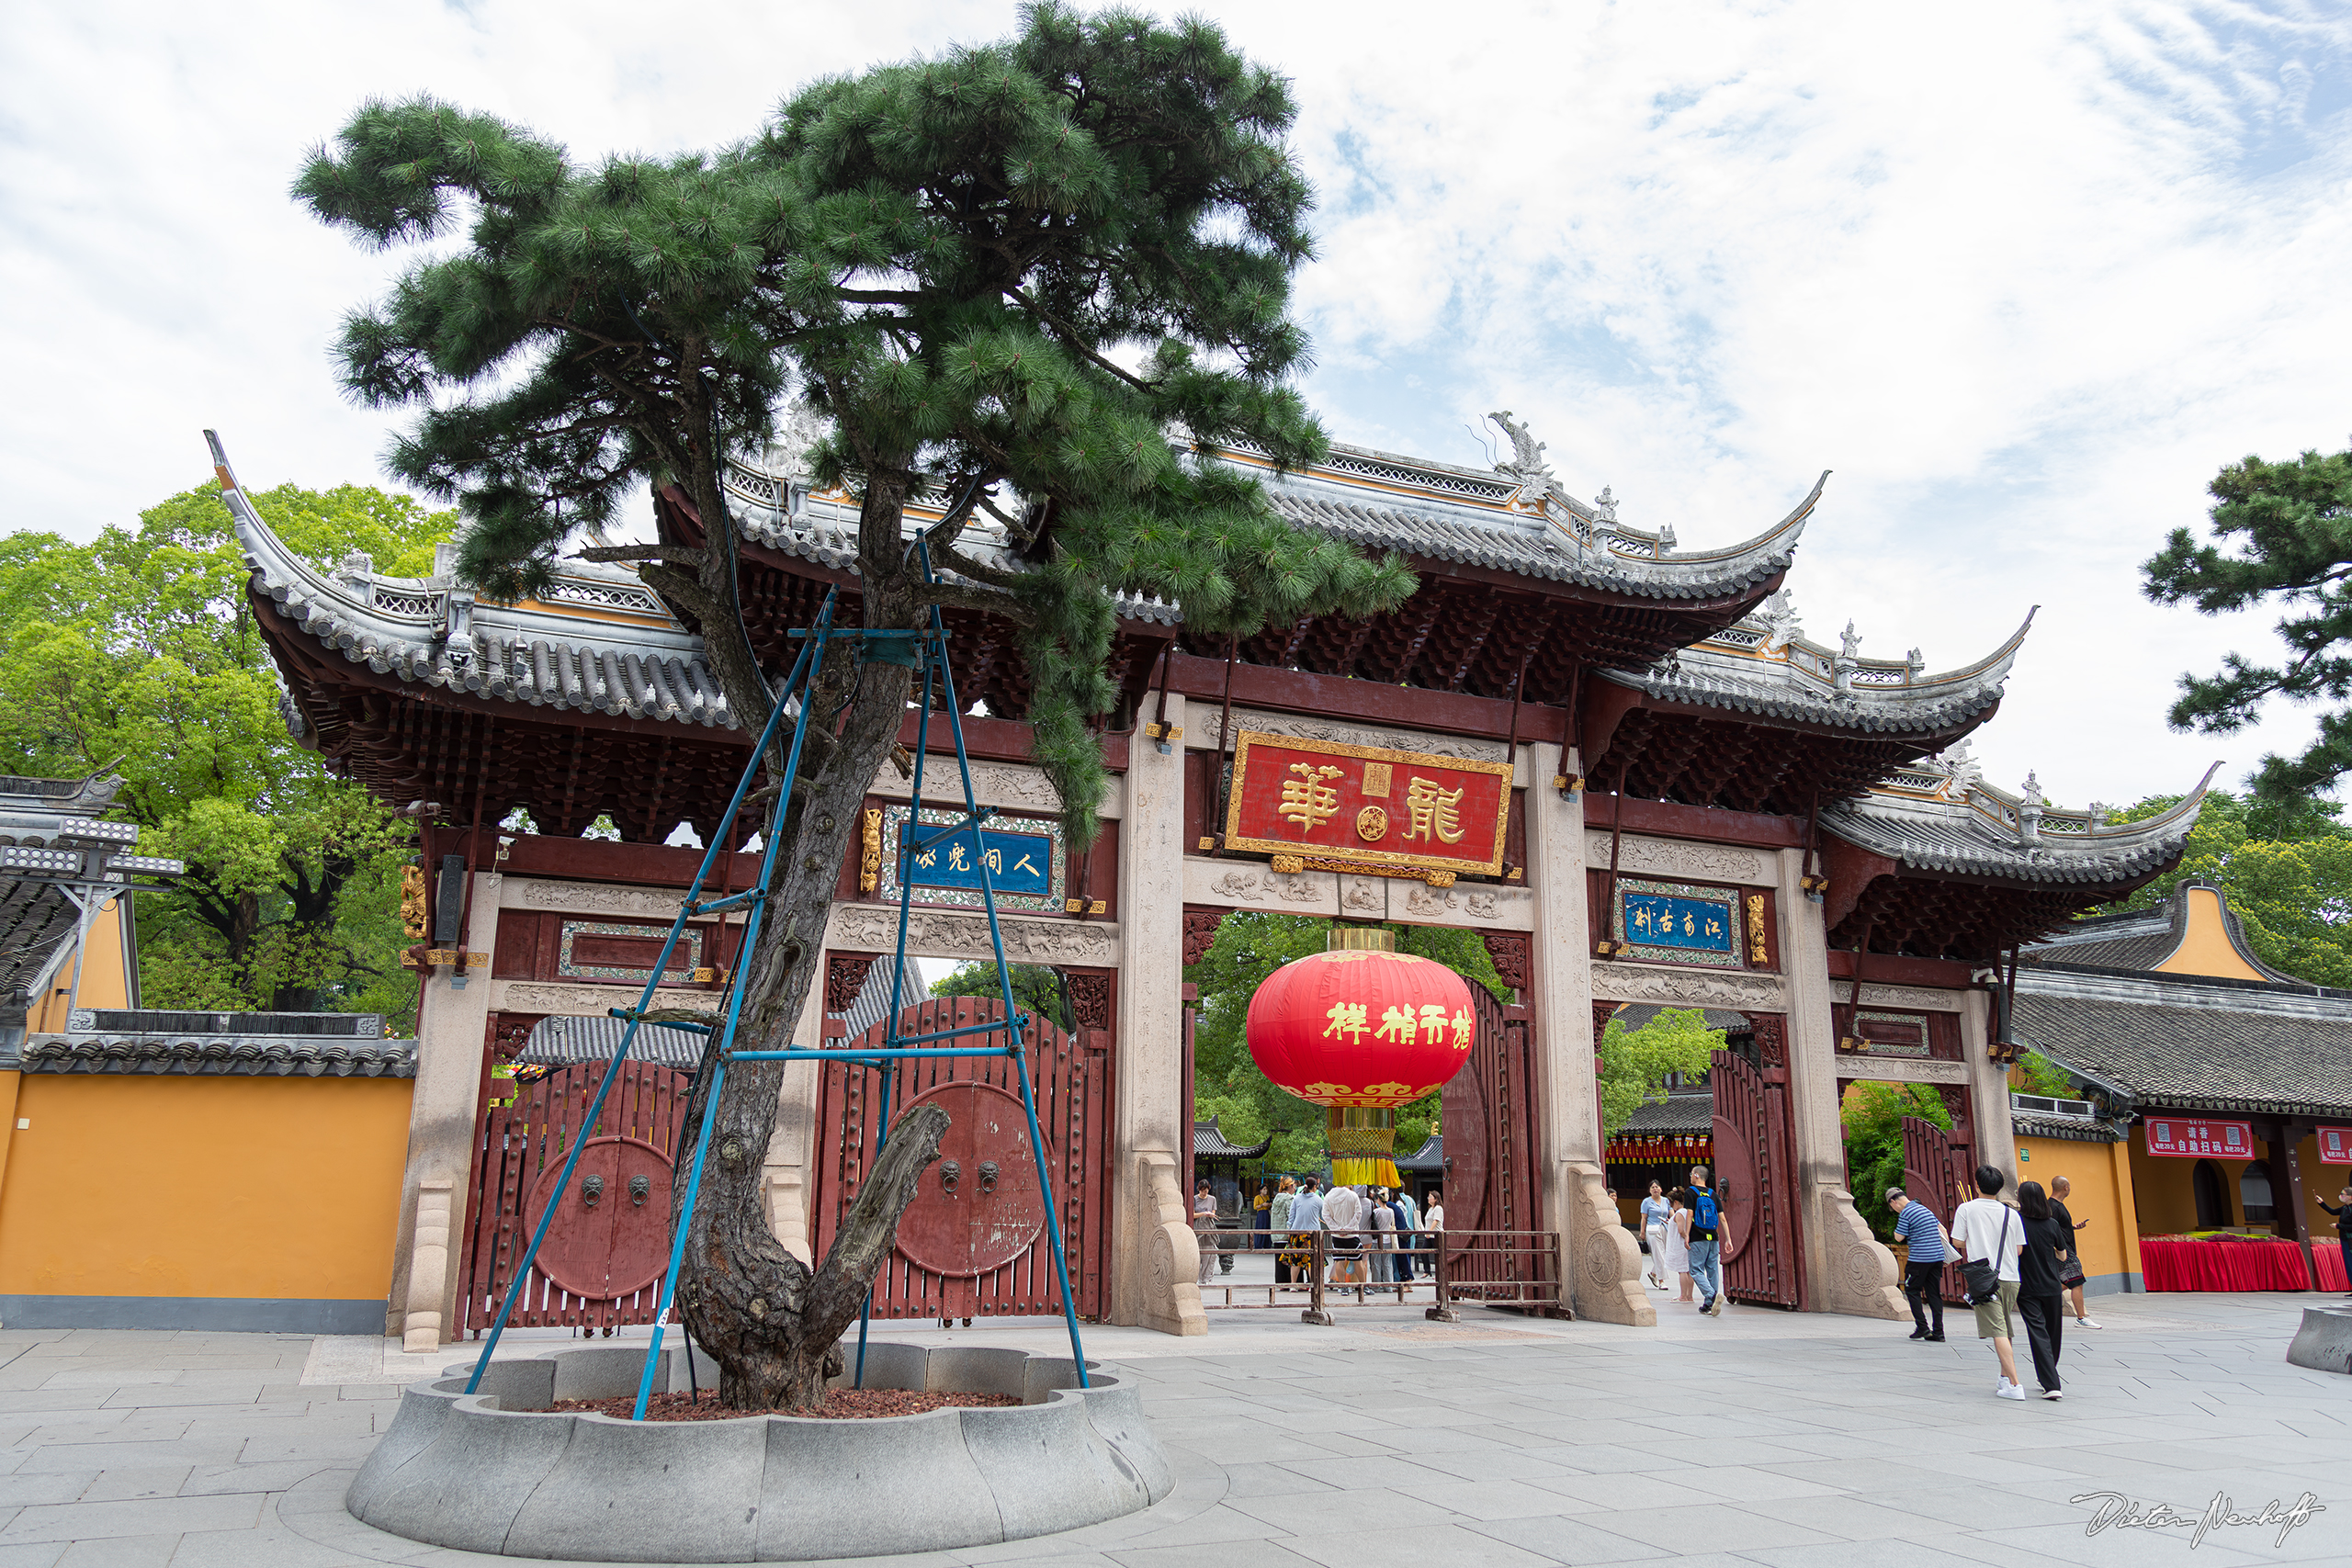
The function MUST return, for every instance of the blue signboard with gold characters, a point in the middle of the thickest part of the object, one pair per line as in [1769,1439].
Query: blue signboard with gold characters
[1674,921]
[1018,864]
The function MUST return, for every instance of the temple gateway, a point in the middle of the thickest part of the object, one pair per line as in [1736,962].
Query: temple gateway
[1619,761]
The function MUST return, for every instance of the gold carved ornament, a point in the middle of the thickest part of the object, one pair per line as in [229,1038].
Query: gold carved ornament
[414,910]
[1757,953]
[869,852]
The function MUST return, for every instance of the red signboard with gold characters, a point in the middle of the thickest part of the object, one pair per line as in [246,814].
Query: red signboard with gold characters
[1366,805]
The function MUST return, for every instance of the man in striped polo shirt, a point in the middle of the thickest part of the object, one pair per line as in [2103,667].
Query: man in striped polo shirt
[1922,1238]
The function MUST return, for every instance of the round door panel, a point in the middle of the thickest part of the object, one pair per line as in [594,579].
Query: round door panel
[598,1245]
[639,1198]
[1734,1183]
[978,1207]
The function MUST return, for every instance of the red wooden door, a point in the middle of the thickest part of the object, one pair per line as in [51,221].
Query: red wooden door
[1755,1179]
[1934,1164]
[973,1243]
[1489,1110]
[601,1265]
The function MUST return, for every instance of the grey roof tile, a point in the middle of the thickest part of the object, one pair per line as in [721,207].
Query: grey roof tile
[1208,1142]
[1976,831]
[219,1056]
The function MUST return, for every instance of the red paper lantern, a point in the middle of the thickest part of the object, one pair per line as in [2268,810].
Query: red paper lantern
[1360,1027]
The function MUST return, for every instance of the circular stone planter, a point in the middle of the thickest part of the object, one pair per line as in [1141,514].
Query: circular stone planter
[501,1471]
[2323,1343]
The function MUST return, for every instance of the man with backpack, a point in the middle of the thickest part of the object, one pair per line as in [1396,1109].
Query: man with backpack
[1706,1249]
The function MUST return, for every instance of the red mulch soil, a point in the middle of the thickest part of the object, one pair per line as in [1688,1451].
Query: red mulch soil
[841,1404]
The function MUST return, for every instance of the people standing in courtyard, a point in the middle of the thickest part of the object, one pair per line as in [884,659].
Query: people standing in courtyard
[1432,1221]
[1985,1229]
[1657,1213]
[1278,1225]
[1678,1240]
[1261,1217]
[1706,1248]
[2041,1294]
[1928,1249]
[1380,1220]
[1343,1216]
[2342,1210]
[2071,1275]
[1408,1227]
[1306,1220]
[1204,1226]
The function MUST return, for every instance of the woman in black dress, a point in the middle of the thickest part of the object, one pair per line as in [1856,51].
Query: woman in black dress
[2042,1297]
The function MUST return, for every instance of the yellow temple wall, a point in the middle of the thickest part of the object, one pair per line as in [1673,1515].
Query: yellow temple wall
[199,1202]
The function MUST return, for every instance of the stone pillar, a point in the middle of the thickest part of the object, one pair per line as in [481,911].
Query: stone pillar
[1600,1266]
[1988,1087]
[428,1277]
[444,1108]
[1151,1282]
[1846,1268]
[793,1145]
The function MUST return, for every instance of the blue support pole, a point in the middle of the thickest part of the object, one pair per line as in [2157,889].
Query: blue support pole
[645,1002]
[1013,1020]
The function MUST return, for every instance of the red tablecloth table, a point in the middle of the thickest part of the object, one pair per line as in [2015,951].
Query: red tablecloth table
[2169,1263]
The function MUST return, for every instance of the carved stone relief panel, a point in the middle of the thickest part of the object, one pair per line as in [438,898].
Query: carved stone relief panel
[1202,731]
[589,897]
[1012,785]
[1364,898]
[1688,987]
[1919,997]
[1248,885]
[1678,857]
[1090,1001]
[1900,1069]
[939,933]
[587,1002]
[1771,1040]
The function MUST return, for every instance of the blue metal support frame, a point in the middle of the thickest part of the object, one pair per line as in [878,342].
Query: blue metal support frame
[931,654]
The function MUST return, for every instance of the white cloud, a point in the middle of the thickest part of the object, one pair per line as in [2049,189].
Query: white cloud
[2023,275]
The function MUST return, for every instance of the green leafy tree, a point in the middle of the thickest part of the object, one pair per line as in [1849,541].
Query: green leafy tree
[1035,989]
[2286,869]
[1226,1084]
[137,652]
[2291,525]
[1029,278]
[1871,1117]
[1636,1064]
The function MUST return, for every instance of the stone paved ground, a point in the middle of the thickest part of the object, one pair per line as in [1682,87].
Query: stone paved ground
[1760,1439]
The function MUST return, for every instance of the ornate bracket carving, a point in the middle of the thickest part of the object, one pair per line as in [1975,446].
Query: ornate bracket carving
[1200,929]
[1508,951]
[844,978]
[1090,1001]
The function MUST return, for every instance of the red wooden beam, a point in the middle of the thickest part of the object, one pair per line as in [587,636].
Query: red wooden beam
[1337,696]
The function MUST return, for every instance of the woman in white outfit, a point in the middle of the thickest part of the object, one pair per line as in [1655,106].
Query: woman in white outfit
[1656,1214]
[1677,1242]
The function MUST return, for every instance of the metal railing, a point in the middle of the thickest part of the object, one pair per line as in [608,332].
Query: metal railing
[1519,1269]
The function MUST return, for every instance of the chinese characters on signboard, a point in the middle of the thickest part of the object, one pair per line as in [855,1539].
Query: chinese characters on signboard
[2198,1138]
[1365,804]
[1016,862]
[2336,1145]
[1678,923]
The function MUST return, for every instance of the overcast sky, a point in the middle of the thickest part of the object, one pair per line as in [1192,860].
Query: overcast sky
[2024,276]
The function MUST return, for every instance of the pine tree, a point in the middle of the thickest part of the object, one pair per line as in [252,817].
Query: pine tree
[2294,523]
[1031,279]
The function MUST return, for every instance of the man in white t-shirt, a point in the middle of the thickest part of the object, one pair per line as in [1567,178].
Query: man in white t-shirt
[1342,1213]
[1984,1227]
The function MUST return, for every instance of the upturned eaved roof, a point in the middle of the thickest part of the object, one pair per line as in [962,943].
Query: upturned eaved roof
[599,642]
[1209,1143]
[1761,666]
[37,918]
[2143,939]
[1940,816]
[1494,518]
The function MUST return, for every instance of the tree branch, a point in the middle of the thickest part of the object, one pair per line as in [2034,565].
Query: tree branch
[684,555]
[984,601]
[1071,340]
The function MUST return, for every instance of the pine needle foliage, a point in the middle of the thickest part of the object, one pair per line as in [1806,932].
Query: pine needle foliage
[2292,523]
[1036,277]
